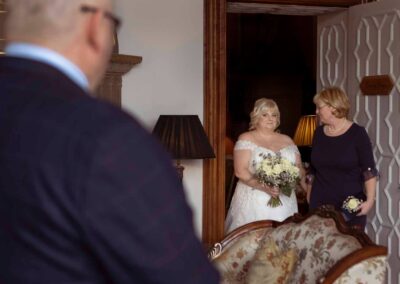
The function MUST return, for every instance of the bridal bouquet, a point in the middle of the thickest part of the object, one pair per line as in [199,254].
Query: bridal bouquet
[276,171]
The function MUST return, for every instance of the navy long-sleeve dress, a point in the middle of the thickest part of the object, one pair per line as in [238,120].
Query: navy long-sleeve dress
[341,165]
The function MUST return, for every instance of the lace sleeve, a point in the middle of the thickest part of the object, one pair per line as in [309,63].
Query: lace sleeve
[370,173]
[296,150]
[365,156]
[244,145]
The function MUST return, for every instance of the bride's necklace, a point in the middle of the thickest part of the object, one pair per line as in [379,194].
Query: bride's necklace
[336,130]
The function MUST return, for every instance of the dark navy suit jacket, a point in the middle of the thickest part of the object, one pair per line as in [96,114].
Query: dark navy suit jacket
[86,195]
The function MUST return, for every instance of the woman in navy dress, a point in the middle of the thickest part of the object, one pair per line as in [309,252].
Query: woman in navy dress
[342,163]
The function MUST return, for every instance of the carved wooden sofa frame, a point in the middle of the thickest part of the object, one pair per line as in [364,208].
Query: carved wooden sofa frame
[346,266]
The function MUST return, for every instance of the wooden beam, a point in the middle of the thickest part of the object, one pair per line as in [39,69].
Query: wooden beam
[279,9]
[214,119]
[321,3]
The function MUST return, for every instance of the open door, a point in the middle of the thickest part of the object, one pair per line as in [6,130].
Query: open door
[365,41]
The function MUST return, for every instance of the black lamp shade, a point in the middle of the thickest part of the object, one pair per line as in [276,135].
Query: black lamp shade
[183,136]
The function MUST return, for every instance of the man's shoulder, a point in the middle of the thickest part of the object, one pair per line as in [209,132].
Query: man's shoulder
[59,96]
[22,75]
[55,104]
[102,112]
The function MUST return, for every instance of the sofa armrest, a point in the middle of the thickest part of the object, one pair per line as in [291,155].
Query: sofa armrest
[232,255]
[371,271]
[366,265]
[215,251]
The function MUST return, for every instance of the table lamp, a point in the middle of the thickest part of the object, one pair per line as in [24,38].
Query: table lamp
[184,137]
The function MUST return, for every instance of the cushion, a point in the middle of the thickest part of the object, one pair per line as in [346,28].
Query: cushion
[270,265]
[319,244]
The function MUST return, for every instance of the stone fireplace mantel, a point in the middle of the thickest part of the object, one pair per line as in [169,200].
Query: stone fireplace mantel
[110,88]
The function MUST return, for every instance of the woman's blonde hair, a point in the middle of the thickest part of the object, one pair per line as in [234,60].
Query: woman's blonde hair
[260,107]
[336,98]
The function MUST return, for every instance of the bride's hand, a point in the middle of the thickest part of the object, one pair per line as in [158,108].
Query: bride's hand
[271,190]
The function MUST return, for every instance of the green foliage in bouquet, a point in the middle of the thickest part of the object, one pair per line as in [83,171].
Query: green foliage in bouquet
[276,171]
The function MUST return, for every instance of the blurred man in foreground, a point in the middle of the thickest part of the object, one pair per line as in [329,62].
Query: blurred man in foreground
[86,195]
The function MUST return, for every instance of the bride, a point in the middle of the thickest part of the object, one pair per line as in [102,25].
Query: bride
[249,202]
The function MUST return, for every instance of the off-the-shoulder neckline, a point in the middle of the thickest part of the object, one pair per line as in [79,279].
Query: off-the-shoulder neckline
[271,150]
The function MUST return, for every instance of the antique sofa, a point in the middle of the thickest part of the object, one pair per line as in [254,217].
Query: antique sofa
[324,250]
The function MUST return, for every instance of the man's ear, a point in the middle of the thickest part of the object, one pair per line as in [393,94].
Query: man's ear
[93,31]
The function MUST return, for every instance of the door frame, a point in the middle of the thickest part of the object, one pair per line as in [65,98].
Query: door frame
[215,50]
[214,119]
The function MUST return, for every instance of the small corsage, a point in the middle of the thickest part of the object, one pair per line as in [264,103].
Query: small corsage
[351,204]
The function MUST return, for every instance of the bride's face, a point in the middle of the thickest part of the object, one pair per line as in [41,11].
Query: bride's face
[268,120]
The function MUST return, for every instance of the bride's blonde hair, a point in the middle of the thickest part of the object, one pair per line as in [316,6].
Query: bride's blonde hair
[260,107]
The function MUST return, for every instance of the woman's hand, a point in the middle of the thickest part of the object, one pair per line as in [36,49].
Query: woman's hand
[370,189]
[271,190]
[308,191]
[365,207]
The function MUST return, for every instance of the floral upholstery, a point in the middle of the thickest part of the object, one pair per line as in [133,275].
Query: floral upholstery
[271,265]
[234,262]
[369,271]
[319,243]
[317,240]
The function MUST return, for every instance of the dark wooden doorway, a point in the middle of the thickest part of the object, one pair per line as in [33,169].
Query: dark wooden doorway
[215,79]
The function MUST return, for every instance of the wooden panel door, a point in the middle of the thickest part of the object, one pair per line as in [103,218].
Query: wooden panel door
[365,41]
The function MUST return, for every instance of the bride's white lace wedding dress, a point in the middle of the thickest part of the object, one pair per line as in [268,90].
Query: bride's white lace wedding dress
[249,204]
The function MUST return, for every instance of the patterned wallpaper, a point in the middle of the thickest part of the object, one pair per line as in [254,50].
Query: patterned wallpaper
[352,45]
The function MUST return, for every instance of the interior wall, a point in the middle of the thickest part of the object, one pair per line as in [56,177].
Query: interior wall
[169,80]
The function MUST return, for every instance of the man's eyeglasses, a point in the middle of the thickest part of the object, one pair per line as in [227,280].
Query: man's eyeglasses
[108,15]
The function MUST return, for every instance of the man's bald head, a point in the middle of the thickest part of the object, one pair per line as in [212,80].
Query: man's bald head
[46,21]
[82,36]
